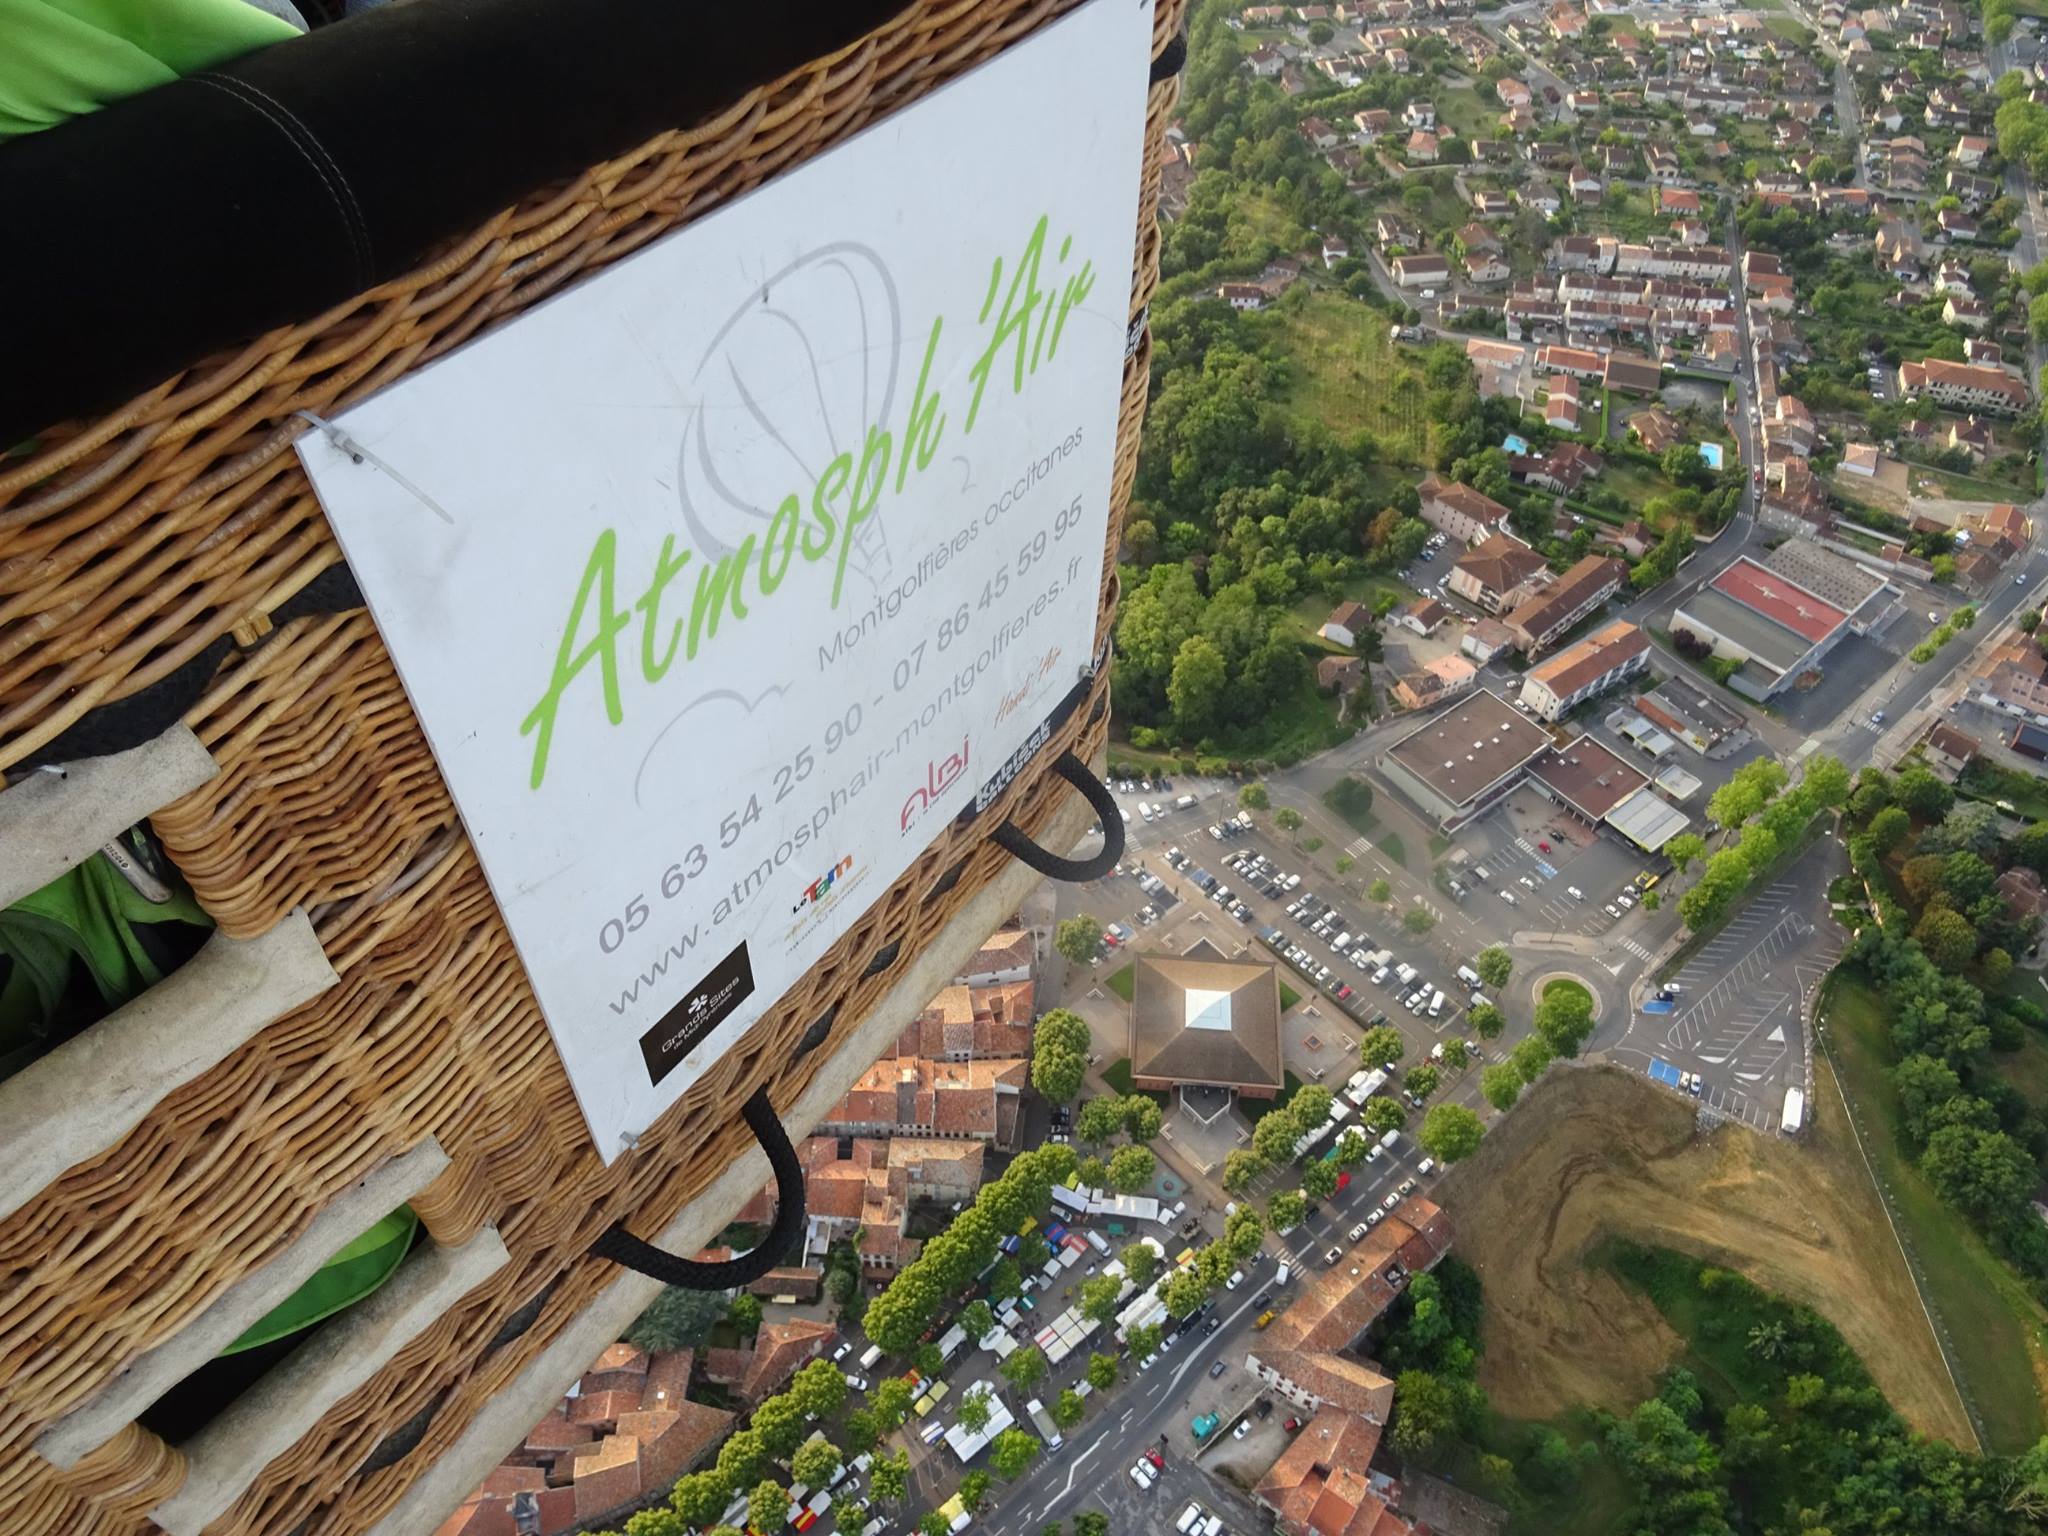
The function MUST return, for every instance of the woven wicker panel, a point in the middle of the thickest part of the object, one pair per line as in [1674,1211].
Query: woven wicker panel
[131,543]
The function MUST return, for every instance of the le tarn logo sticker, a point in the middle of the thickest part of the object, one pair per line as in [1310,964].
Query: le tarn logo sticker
[728,984]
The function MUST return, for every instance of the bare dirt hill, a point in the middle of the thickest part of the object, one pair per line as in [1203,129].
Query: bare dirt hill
[1595,1152]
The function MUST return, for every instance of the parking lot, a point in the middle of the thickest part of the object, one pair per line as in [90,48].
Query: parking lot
[1509,844]
[1734,1023]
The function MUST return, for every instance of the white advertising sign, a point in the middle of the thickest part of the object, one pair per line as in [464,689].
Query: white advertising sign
[722,581]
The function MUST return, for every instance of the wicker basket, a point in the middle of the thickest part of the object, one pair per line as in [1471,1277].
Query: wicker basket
[131,544]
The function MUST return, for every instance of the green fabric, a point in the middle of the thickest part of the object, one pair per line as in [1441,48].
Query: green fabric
[88,917]
[341,1282]
[61,58]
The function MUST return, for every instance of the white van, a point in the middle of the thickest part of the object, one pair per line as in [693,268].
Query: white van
[1387,1141]
[1281,1278]
[1341,943]
[1479,1000]
[1184,803]
[1405,972]
[1468,976]
[1213,1526]
[1575,893]
[869,1356]
[1189,1519]
[1436,1005]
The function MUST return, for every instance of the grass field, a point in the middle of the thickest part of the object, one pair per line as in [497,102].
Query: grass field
[1469,114]
[2000,1333]
[1941,482]
[1346,372]
[1785,27]
[1595,1153]
[1122,983]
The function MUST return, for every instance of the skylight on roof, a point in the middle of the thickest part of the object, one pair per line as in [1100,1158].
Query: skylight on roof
[1207,1010]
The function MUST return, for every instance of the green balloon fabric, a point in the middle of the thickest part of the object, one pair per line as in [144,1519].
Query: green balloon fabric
[91,917]
[340,1283]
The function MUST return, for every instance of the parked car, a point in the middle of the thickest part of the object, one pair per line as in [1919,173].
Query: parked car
[1244,1427]
[1218,1369]
[1291,1425]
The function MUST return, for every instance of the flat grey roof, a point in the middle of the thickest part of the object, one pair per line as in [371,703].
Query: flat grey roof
[1696,706]
[1773,645]
[1470,747]
[1828,576]
[1647,820]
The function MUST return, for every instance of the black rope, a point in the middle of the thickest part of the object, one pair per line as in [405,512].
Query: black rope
[1016,842]
[630,1252]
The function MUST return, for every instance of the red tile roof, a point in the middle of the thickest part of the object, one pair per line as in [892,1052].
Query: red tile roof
[1779,600]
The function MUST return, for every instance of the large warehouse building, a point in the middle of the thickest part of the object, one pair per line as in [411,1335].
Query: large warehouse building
[1465,761]
[1780,616]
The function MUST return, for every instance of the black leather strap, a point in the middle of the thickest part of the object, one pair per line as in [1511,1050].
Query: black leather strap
[623,1248]
[1015,841]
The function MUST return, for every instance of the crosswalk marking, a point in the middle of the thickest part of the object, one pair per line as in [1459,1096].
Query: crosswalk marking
[1635,949]
[1525,845]
[1358,847]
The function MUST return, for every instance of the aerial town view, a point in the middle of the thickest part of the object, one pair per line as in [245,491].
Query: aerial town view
[1540,1027]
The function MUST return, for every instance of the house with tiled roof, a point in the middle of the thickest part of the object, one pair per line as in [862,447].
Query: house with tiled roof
[1459,511]
[1304,1355]
[965,1023]
[629,1430]
[2014,681]
[1949,750]
[1498,572]
[1005,955]
[757,1373]
[1442,679]
[914,1096]
[1346,623]
[1323,1483]
[1541,621]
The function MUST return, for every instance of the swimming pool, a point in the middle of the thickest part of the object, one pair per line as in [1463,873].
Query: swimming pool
[1711,452]
[1515,444]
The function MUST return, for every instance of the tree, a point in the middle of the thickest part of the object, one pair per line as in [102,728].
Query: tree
[1455,1053]
[1382,1115]
[1091,1522]
[1495,965]
[655,1522]
[745,1314]
[1683,464]
[1501,1084]
[861,1432]
[1488,1020]
[819,1389]
[1243,1229]
[677,1319]
[1196,689]
[1920,792]
[1947,937]
[1287,819]
[1418,920]
[1273,1138]
[1352,1148]
[768,1505]
[1425,1410]
[1253,797]
[973,1489]
[1004,1282]
[926,1357]
[1564,1018]
[1684,848]
[1318,1179]
[780,1424]
[1130,1169]
[1530,1057]
[1450,1132]
[1068,1408]
[699,1498]
[1025,1368]
[1099,1119]
[932,1523]
[1014,1450]
[1985,1172]
[889,1477]
[1423,1080]
[1143,1118]
[1286,1210]
[1102,1372]
[976,1407]
[1380,891]
[1056,1073]
[1890,828]
[1063,1029]
[889,1402]
[978,1319]
[814,1462]
[1143,1340]
[1240,1168]
[1098,1297]
[1381,1046]
[1079,938]
[741,1459]
[1140,1263]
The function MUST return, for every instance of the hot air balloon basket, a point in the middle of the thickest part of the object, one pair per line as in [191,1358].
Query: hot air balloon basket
[357,1034]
